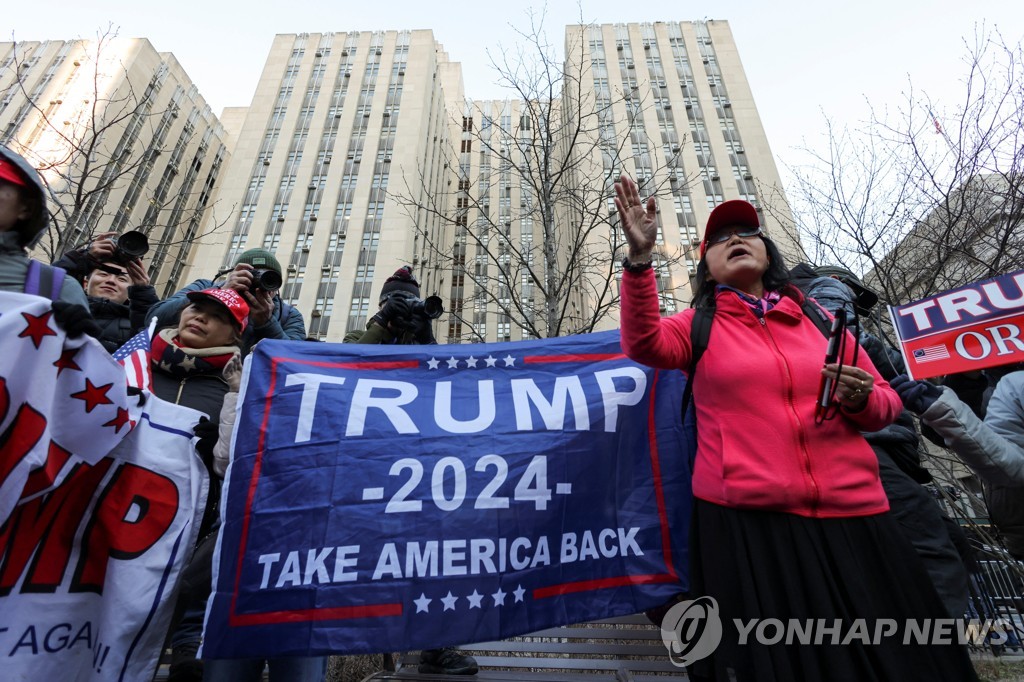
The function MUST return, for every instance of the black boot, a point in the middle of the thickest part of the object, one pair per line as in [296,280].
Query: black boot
[447,661]
[185,667]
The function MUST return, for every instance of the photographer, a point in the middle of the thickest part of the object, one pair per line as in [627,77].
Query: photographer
[403,318]
[257,277]
[116,284]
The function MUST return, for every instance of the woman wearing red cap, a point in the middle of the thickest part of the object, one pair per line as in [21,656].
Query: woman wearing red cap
[790,521]
[192,366]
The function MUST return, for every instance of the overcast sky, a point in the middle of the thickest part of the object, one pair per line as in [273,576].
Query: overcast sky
[801,58]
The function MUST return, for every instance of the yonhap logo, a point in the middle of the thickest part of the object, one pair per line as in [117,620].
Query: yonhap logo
[691,630]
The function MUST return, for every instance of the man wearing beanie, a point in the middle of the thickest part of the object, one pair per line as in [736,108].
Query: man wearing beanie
[395,322]
[269,316]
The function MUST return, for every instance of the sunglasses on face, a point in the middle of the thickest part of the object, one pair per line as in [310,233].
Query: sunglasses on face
[723,236]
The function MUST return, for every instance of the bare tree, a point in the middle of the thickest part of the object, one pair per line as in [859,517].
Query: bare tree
[107,141]
[531,218]
[924,197]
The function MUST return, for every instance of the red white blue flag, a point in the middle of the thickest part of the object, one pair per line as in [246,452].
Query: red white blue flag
[135,356]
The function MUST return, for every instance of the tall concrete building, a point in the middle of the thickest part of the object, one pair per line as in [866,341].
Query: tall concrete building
[360,153]
[122,138]
[337,119]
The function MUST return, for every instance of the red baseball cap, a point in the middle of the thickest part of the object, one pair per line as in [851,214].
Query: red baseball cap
[230,299]
[10,173]
[732,213]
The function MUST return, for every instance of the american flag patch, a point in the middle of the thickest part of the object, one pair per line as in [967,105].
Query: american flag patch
[931,353]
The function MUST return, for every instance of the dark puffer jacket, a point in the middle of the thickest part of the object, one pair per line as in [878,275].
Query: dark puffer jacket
[119,322]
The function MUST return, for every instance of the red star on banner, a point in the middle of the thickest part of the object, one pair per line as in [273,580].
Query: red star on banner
[93,395]
[37,328]
[120,420]
[67,361]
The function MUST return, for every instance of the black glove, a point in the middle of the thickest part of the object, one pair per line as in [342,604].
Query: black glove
[917,396]
[396,311]
[75,320]
[423,330]
[206,431]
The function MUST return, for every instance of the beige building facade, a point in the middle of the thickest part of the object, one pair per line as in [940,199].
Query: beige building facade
[122,138]
[337,119]
[360,153]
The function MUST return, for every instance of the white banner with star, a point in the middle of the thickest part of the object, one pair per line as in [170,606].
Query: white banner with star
[44,375]
[100,492]
[385,498]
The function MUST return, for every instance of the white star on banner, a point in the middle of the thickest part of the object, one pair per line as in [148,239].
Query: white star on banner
[449,601]
[471,361]
[452,363]
[432,363]
[520,592]
[490,361]
[499,598]
[422,604]
[474,599]
[510,361]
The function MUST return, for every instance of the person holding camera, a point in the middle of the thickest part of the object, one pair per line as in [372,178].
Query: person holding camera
[403,318]
[116,284]
[257,278]
[406,319]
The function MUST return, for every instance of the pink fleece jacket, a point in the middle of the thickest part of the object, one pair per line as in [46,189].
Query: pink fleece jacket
[755,390]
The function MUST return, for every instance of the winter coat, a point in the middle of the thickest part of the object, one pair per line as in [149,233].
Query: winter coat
[119,322]
[14,268]
[755,392]
[285,320]
[993,449]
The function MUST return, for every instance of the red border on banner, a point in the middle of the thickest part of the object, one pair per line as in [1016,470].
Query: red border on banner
[236,619]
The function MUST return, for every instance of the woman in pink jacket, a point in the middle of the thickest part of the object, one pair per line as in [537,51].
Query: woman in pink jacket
[790,519]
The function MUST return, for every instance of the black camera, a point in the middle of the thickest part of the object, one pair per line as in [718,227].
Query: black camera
[129,247]
[432,307]
[266,279]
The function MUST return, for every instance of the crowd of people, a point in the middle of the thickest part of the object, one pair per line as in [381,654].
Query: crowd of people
[799,511]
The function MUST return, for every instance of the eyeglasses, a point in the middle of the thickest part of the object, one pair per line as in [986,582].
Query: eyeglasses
[723,236]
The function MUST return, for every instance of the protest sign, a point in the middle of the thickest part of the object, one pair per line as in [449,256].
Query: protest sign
[44,374]
[385,498]
[968,328]
[88,569]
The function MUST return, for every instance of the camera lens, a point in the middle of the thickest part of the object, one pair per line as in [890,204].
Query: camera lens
[133,245]
[268,280]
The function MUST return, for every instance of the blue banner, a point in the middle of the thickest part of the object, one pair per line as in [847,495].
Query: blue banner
[387,498]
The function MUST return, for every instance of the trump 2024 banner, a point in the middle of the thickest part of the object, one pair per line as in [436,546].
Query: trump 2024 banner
[973,327]
[385,498]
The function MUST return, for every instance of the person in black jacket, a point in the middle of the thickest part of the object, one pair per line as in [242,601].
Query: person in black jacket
[933,534]
[188,364]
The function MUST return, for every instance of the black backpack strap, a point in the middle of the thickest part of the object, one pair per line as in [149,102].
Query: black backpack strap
[700,332]
[44,280]
[817,315]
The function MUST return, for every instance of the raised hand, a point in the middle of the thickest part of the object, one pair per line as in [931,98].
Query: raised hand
[639,220]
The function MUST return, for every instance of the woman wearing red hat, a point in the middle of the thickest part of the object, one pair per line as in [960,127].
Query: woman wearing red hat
[790,521]
[192,366]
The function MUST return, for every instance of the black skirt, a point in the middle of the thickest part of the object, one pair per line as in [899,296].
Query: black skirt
[795,570]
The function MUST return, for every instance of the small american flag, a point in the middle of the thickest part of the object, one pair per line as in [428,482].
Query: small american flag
[134,355]
[931,353]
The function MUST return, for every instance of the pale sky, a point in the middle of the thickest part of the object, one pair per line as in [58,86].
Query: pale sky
[801,58]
